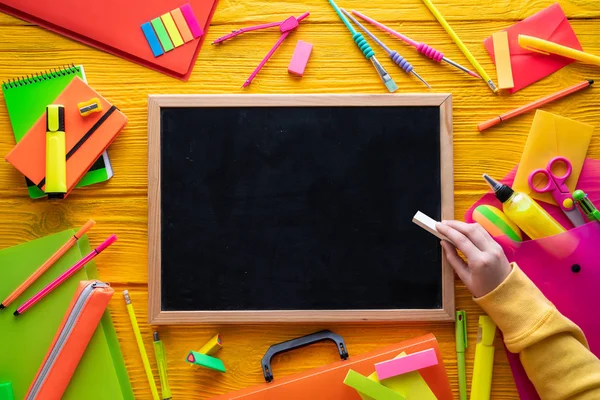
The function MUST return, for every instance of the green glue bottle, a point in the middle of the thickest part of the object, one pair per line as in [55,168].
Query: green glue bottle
[524,211]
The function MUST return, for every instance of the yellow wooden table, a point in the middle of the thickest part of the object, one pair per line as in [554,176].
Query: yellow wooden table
[336,66]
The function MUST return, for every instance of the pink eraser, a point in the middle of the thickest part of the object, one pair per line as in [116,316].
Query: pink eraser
[193,23]
[300,58]
[409,363]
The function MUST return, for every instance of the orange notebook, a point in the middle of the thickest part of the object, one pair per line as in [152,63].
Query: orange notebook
[327,382]
[86,137]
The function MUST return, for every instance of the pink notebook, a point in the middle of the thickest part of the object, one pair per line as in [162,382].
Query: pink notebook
[564,267]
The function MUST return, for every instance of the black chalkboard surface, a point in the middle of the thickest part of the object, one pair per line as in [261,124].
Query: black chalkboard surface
[302,208]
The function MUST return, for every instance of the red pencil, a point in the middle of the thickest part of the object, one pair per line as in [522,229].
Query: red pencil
[65,275]
[536,104]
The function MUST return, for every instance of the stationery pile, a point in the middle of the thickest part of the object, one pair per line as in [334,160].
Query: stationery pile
[63,128]
[549,224]
[38,361]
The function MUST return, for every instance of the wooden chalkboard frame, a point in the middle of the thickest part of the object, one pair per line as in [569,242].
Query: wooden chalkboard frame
[157,316]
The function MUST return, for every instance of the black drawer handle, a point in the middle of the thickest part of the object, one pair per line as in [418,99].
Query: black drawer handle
[301,342]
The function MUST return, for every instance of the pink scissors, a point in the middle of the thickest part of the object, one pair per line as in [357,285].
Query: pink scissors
[557,187]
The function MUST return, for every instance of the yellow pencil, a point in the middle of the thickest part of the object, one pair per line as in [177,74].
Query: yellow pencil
[460,45]
[140,343]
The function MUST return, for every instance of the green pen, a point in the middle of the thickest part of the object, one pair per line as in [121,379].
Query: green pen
[586,205]
[161,361]
[461,345]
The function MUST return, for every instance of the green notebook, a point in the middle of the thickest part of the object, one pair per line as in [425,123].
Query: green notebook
[25,340]
[26,100]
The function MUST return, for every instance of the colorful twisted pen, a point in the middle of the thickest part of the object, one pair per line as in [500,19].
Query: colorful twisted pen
[366,50]
[394,56]
[422,48]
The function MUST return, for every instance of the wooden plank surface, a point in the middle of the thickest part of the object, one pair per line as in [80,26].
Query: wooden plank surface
[336,66]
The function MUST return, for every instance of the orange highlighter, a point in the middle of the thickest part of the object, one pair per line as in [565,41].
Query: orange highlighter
[48,263]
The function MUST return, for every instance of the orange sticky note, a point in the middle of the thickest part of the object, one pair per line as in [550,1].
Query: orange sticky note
[182,25]
[502,57]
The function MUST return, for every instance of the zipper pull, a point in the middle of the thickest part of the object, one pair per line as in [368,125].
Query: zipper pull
[100,285]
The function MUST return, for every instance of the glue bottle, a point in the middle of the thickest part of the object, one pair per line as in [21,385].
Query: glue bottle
[524,211]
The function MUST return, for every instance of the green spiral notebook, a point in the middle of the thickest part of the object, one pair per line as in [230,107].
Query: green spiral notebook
[26,100]
[25,340]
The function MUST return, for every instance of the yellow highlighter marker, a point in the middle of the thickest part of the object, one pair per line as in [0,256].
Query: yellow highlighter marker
[161,361]
[461,45]
[481,385]
[545,47]
[56,152]
[140,343]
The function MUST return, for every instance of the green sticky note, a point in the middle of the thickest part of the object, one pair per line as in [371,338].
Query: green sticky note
[364,385]
[162,34]
[205,361]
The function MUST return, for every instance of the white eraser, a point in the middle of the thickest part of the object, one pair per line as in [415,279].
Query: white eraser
[428,224]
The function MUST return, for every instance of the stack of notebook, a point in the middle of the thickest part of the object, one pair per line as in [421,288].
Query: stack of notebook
[101,374]
[26,101]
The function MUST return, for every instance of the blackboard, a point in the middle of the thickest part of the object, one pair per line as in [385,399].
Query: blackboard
[270,208]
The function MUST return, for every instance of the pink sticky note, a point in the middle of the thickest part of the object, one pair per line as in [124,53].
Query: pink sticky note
[411,362]
[300,58]
[193,24]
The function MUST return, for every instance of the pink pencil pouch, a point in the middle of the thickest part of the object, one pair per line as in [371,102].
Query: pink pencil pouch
[565,267]
[69,344]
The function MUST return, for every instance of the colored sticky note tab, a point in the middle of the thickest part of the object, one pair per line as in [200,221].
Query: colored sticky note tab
[192,21]
[502,55]
[182,25]
[411,362]
[375,390]
[152,39]
[410,385]
[169,23]
[163,36]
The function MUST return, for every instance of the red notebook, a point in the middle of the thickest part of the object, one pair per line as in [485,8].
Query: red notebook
[86,137]
[114,26]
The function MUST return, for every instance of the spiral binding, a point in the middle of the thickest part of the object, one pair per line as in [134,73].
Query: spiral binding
[40,76]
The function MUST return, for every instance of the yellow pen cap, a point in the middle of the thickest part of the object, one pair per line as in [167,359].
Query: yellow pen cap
[56,152]
[487,331]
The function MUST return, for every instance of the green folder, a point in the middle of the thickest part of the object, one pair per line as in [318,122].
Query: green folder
[26,100]
[25,340]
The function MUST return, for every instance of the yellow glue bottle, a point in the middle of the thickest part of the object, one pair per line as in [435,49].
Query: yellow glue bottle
[524,211]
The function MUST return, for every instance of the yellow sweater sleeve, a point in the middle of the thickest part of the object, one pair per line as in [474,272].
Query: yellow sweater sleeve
[552,349]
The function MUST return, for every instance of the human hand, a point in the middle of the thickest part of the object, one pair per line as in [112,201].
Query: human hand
[486,266]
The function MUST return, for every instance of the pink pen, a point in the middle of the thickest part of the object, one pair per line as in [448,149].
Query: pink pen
[421,47]
[65,275]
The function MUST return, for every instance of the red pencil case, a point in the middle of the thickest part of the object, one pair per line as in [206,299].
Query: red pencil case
[71,339]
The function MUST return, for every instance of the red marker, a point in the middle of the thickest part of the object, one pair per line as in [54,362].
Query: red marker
[65,275]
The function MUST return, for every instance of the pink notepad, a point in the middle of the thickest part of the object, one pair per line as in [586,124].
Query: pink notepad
[409,363]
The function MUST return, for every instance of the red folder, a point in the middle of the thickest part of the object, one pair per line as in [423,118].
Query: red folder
[114,26]
[564,267]
[327,382]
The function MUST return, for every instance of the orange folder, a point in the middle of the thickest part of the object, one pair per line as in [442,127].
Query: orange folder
[327,383]
[86,137]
